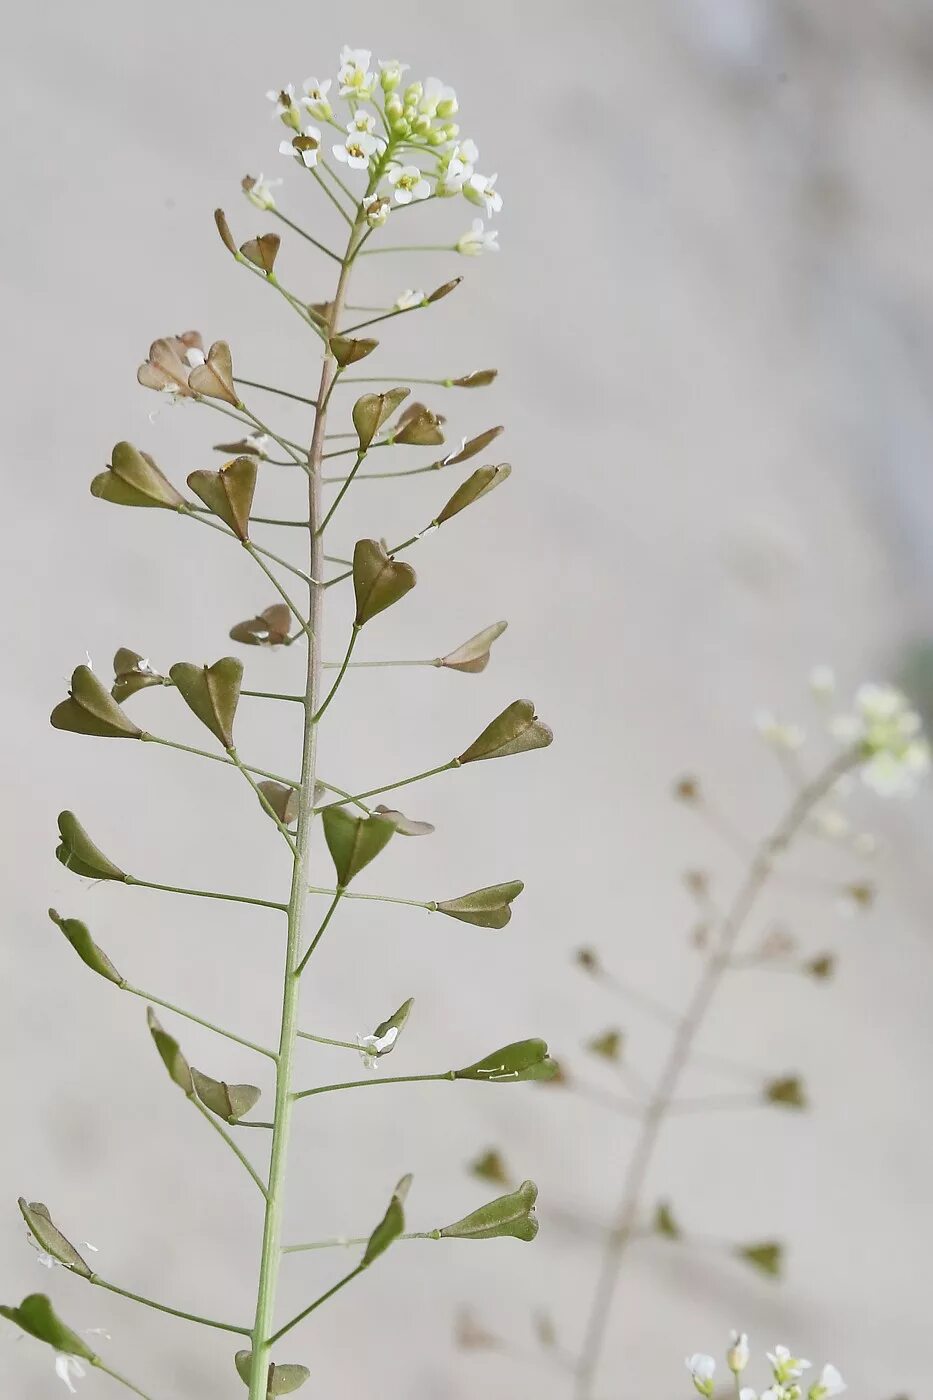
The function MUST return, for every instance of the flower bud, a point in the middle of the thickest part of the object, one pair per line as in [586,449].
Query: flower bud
[702,1370]
[738,1354]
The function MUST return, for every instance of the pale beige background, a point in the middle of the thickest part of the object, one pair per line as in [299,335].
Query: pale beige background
[712,312]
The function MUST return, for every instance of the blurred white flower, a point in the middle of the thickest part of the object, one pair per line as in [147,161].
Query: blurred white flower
[889,735]
[480,189]
[409,183]
[789,737]
[372,1046]
[357,149]
[437,99]
[259,191]
[831,823]
[478,240]
[354,76]
[376,208]
[830,1383]
[68,1368]
[391,73]
[702,1369]
[738,1354]
[823,682]
[409,299]
[315,98]
[786,1367]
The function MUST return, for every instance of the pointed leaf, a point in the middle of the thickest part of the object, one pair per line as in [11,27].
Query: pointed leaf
[214,379]
[490,1166]
[523,1059]
[788,1091]
[479,379]
[262,251]
[133,479]
[372,411]
[50,1239]
[507,1216]
[282,799]
[665,1223]
[486,908]
[473,446]
[379,580]
[767,1256]
[269,629]
[353,841]
[229,1101]
[473,655]
[36,1316]
[91,709]
[419,427]
[405,826]
[228,492]
[608,1045]
[480,483]
[212,692]
[77,852]
[79,937]
[132,672]
[178,1068]
[346,350]
[516,730]
[281,1379]
[390,1226]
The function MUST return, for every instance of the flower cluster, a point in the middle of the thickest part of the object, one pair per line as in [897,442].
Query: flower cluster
[402,136]
[786,1374]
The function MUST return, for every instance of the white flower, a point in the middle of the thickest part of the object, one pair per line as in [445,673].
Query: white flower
[888,732]
[438,100]
[354,77]
[786,1367]
[831,823]
[409,183]
[480,189]
[258,443]
[67,1367]
[304,148]
[376,208]
[475,241]
[702,1369]
[372,1046]
[284,101]
[357,149]
[259,191]
[746,1393]
[823,682]
[315,98]
[361,121]
[409,299]
[830,1383]
[738,1354]
[789,737]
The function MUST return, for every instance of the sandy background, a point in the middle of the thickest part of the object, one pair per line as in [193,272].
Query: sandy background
[712,312]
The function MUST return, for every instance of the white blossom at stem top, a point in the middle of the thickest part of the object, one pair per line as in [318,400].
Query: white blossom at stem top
[390,74]
[358,148]
[437,99]
[409,183]
[786,1367]
[830,1383]
[890,738]
[354,76]
[737,1357]
[478,240]
[480,189]
[315,99]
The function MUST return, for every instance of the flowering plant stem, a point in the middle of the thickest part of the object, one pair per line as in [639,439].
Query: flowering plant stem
[659,1105]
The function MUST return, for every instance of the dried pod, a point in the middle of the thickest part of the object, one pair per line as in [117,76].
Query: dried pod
[212,692]
[421,429]
[379,580]
[608,1045]
[665,1222]
[229,1101]
[588,959]
[280,1379]
[132,672]
[821,967]
[487,908]
[79,936]
[282,799]
[515,1063]
[228,493]
[372,411]
[788,1091]
[262,251]
[91,709]
[50,1239]
[353,841]
[390,1226]
[170,1052]
[36,1316]
[490,1166]
[405,826]
[269,629]
[477,380]
[480,483]
[516,730]
[133,479]
[253,445]
[767,1256]
[223,228]
[170,363]
[472,656]
[214,379]
[78,853]
[346,350]
[472,447]
[444,290]
[511,1216]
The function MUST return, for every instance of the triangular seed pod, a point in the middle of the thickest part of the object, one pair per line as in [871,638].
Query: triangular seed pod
[608,1045]
[390,1226]
[133,479]
[372,411]
[473,655]
[212,692]
[50,1239]
[168,365]
[490,1166]
[788,1091]
[77,852]
[229,1101]
[269,629]
[36,1316]
[421,429]
[91,709]
[132,672]
[79,936]
[665,1222]
[522,1060]
[396,1022]
[516,730]
[170,1052]
[477,380]
[405,826]
[346,350]
[480,483]
[473,446]
[486,908]
[228,492]
[767,1256]
[379,580]
[510,1216]
[282,799]
[262,251]
[214,379]
[353,841]
[281,1379]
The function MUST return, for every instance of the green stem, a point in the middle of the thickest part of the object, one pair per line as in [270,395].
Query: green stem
[369,1083]
[385,316]
[218,758]
[204,894]
[162,1307]
[328,1040]
[403,782]
[340,674]
[430,904]
[302,623]
[344,215]
[411,248]
[344,1242]
[316,1304]
[121,1380]
[271,389]
[360,457]
[240,1156]
[198,1020]
[354,202]
[338,895]
[297,229]
[272,695]
[264,801]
